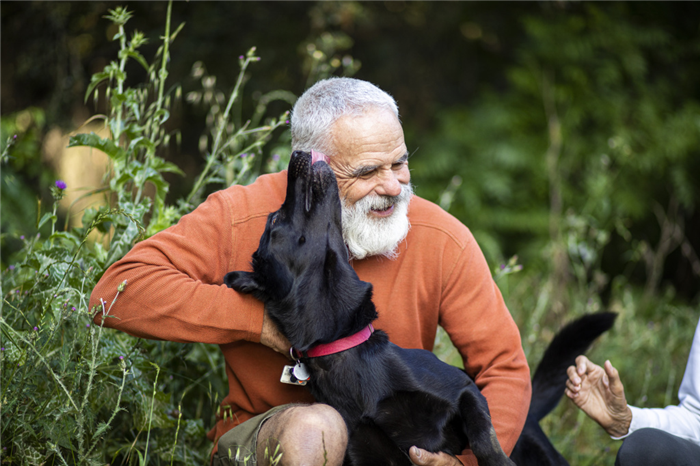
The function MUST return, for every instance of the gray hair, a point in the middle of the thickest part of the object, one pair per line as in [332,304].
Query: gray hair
[325,102]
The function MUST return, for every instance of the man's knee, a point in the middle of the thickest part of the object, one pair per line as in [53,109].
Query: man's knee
[304,434]
[326,417]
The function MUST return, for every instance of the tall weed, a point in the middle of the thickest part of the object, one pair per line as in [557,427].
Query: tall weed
[73,392]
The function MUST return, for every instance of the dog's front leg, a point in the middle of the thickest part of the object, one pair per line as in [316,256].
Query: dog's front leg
[477,425]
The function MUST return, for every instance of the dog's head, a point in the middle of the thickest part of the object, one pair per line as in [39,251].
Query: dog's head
[301,270]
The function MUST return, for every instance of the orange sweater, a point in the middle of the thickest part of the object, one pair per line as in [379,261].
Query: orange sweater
[175,293]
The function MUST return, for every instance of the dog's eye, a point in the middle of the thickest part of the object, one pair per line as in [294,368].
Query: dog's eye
[302,240]
[274,219]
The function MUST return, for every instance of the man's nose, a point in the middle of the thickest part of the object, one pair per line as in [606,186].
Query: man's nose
[389,184]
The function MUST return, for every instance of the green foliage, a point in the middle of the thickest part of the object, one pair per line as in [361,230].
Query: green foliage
[77,393]
[20,134]
[593,146]
[596,127]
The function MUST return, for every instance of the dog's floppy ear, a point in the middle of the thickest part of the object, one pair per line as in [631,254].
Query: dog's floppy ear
[243,282]
[330,264]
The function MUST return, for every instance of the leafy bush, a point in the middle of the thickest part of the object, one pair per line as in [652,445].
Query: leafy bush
[78,394]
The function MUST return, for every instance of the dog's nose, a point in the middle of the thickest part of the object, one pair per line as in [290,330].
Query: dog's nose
[299,164]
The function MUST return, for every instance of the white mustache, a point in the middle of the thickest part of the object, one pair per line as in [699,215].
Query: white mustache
[369,236]
[379,202]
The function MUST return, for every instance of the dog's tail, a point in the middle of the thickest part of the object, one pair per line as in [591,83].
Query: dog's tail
[550,376]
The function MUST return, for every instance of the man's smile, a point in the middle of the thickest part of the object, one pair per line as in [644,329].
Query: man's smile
[383,212]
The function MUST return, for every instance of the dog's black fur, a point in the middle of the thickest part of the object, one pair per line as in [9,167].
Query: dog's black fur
[390,397]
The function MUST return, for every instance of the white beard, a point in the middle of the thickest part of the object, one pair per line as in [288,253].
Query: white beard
[366,235]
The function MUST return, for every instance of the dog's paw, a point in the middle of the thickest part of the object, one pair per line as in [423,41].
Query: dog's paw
[243,282]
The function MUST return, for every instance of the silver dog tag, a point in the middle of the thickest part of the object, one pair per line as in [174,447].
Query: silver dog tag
[301,372]
[288,376]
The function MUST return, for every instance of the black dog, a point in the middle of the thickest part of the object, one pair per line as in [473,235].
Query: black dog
[390,398]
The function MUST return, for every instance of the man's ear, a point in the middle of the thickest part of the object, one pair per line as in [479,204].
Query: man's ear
[243,282]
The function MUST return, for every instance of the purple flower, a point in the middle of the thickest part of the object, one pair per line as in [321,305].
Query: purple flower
[2,349]
[87,325]
[72,308]
[60,184]
[121,358]
[36,328]
[12,267]
[244,156]
[276,157]
[21,237]
[241,57]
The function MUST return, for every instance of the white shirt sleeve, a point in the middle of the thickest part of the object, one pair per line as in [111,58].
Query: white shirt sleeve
[682,420]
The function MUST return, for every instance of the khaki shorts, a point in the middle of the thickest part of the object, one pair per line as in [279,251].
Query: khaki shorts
[237,447]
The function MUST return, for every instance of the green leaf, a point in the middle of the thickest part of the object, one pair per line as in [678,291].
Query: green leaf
[46,217]
[142,142]
[69,239]
[161,165]
[107,146]
[177,31]
[96,79]
[136,56]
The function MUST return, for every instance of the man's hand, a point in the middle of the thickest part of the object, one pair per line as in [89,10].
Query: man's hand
[272,337]
[425,458]
[599,393]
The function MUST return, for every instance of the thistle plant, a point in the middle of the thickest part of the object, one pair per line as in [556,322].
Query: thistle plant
[72,391]
[232,148]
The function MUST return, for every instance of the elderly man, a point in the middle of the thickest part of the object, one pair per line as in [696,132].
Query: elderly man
[424,265]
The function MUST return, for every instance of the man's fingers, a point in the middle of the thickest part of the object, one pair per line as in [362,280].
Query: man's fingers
[418,456]
[574,378]
[425,458]
[573,387]
[582,363]
[614,377]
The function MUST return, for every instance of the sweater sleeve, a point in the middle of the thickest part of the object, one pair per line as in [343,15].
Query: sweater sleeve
[174,283]
[476,318]
[683,420]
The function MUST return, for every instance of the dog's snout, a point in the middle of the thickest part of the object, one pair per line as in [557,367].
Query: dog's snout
[323,177]
[299,164]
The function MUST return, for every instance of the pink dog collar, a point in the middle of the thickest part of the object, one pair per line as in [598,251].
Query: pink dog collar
[340,345]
